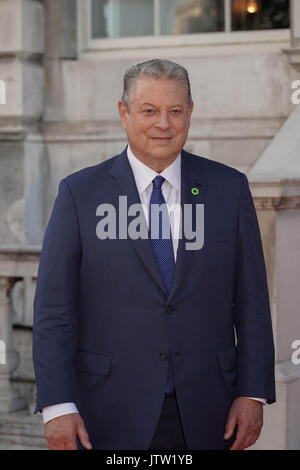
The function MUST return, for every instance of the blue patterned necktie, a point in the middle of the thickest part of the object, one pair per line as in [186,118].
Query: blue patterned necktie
[163,249]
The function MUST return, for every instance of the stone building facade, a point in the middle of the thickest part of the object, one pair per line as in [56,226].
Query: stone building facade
[60,115]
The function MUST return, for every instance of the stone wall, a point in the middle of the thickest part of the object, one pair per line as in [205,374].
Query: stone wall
[61,111]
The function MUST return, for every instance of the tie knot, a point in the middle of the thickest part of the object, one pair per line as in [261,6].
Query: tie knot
[158,181]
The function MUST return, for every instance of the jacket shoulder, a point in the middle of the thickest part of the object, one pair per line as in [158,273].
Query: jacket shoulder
[213,168]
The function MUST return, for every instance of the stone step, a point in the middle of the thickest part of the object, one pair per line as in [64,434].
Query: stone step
[21,431]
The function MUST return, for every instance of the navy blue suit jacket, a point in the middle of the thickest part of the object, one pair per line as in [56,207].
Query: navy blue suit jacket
[102,316]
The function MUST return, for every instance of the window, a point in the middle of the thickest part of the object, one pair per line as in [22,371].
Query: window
[122,18]
[186,17]
[130,18]
[261,14]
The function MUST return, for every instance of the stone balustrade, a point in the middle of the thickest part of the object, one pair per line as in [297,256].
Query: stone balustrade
[19,429]
[18,266]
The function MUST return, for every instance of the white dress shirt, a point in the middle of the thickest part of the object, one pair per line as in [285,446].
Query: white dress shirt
[144,176]
[171,189]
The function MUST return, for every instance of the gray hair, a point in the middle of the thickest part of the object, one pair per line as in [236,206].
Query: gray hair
[158,69]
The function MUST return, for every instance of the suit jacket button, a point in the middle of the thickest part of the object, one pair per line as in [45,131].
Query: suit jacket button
[163,356]
[170,309]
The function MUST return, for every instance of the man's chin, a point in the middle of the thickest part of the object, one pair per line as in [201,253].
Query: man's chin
[157,151]
[163,148]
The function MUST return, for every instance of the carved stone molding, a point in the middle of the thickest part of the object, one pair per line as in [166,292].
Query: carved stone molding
[293,55]
[277,203]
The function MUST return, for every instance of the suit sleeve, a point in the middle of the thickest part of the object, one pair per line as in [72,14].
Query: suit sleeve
[255,345]
[57,289]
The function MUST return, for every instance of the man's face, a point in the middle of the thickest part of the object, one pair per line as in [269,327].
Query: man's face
[157,121]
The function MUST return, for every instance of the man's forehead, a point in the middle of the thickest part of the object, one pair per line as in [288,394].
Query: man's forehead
[146,82]
[144,88]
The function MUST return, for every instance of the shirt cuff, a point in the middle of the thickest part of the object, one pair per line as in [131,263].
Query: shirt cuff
[53,411]
[262,400]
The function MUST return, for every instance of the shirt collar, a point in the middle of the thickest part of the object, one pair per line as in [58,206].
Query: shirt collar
[144,175]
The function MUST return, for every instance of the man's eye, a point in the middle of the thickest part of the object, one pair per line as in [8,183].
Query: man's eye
[148,111]
[175,111]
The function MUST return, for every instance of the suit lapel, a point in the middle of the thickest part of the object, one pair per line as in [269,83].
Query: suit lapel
[192,176]
[123,184]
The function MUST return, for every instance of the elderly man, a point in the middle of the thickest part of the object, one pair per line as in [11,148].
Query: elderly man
[153,342]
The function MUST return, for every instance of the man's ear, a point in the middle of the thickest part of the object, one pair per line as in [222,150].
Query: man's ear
[191,108]
[123,113]
[190,112]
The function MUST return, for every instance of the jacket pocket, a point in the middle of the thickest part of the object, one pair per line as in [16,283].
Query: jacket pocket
[219,237]
[93,363]
[227,362]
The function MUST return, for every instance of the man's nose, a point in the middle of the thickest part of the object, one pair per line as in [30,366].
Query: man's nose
[164,121]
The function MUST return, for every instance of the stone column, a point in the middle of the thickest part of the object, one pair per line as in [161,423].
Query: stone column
[278,207]
[9,401]
[22,148]
[294,51]
[295,22]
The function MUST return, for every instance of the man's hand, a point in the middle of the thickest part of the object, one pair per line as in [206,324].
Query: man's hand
[247,414]
[61,432]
